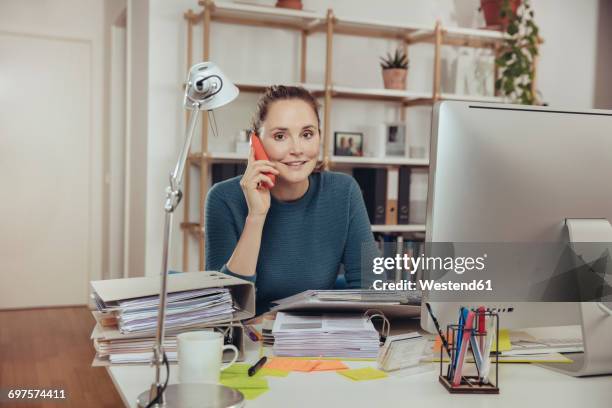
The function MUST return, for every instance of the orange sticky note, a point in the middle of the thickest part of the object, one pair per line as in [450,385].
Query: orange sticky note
[289,364]
[438,344]
[330,365]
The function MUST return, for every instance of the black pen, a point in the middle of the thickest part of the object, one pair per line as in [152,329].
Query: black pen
[443,339]
[255,368]
[435,321]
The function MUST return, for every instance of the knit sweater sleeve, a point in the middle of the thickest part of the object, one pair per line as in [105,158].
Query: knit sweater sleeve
[360,248]
[221,234]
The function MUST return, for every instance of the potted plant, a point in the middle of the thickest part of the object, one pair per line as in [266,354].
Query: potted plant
[498,12]
[395,70]
[292,4]
[517,56]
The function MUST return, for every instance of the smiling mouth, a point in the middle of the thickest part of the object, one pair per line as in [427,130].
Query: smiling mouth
[295,163]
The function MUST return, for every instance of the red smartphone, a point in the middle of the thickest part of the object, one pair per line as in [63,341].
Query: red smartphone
[260,154]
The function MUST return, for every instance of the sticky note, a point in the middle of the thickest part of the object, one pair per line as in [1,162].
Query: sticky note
[363,374]
[272,372]
[330,365]
[288,364]
[243,383]
[504,342]
[237,368]
[438,344]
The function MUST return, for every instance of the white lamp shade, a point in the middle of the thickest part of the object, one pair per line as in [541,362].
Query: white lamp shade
[208,88]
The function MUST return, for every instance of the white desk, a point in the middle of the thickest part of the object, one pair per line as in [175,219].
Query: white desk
[521,386]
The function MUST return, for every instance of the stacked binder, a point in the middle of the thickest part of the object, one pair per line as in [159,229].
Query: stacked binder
[127,312]
[327,335]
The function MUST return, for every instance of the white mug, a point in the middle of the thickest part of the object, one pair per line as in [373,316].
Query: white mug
[199,356]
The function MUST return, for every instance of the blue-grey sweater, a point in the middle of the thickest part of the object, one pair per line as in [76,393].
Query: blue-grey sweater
[304,242]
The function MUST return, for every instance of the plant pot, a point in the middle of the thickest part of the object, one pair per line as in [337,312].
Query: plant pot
[491,10]
[291,4]
[395,78]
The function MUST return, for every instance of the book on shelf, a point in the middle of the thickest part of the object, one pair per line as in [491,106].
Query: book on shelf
[373,184]
[225,171]
[395,195]
[403,196]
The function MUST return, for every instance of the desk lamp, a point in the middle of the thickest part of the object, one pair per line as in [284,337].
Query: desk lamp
[207,88]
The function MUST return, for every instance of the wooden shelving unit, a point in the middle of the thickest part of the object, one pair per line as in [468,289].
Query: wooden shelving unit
[308,23]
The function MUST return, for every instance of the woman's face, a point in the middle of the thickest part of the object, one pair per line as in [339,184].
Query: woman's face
[291,138]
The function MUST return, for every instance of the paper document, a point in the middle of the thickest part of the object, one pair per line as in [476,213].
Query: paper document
[327,335]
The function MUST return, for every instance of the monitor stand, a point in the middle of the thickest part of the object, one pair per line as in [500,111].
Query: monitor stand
[596,316]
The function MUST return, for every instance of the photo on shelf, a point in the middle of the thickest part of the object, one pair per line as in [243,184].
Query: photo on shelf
[242,142]
[395,138]
[348,144]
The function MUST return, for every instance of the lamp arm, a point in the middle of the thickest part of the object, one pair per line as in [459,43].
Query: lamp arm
[176,178]
[173,198]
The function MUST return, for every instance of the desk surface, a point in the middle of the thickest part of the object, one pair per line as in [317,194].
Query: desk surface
[521,386]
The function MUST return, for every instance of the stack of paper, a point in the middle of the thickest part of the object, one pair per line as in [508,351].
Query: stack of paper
[328,335]
[132,350]
[185,309]
[128,311]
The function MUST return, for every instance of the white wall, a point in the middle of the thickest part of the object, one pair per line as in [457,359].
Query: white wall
[70,20]
[566,77]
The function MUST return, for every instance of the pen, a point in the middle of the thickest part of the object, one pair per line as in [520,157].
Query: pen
[435,321]
[481,326]
[252,333]
[442,338]
[255,368]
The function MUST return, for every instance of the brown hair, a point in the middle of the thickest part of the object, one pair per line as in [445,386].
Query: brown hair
[279,93]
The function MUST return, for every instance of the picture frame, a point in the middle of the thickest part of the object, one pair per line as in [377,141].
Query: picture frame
[395,139]
[348,144]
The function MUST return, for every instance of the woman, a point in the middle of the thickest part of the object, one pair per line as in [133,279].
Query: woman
[291,235]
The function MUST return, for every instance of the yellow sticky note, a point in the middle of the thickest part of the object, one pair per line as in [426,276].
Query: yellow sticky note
[504,341]
[252,393]
[238,368]
[362,374]
[242,382]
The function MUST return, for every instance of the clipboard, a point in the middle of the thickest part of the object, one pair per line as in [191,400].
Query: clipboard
[323,301]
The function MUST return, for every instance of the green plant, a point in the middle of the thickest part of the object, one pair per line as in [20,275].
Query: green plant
[517,55]
[397,60]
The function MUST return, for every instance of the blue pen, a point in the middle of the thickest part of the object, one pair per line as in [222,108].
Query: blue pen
[462,316]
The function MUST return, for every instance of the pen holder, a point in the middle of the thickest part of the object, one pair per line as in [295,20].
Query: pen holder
[480,379]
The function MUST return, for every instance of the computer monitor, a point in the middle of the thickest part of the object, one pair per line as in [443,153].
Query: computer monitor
[515,173]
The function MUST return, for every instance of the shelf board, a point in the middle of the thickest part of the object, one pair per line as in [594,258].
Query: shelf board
[389,95]
[261,16]
[314,22]
[218,157]
[225,157]
[352,161]
[260,87]
[472,37]
[471,98]
[195,230]
[373,28]
[399,228]
[408,98]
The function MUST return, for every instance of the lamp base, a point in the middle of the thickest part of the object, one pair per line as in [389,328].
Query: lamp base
[196,396]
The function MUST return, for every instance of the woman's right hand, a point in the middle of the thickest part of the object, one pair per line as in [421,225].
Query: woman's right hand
[255,185]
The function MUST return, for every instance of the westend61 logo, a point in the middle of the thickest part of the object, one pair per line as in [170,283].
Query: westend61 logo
[430,263]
